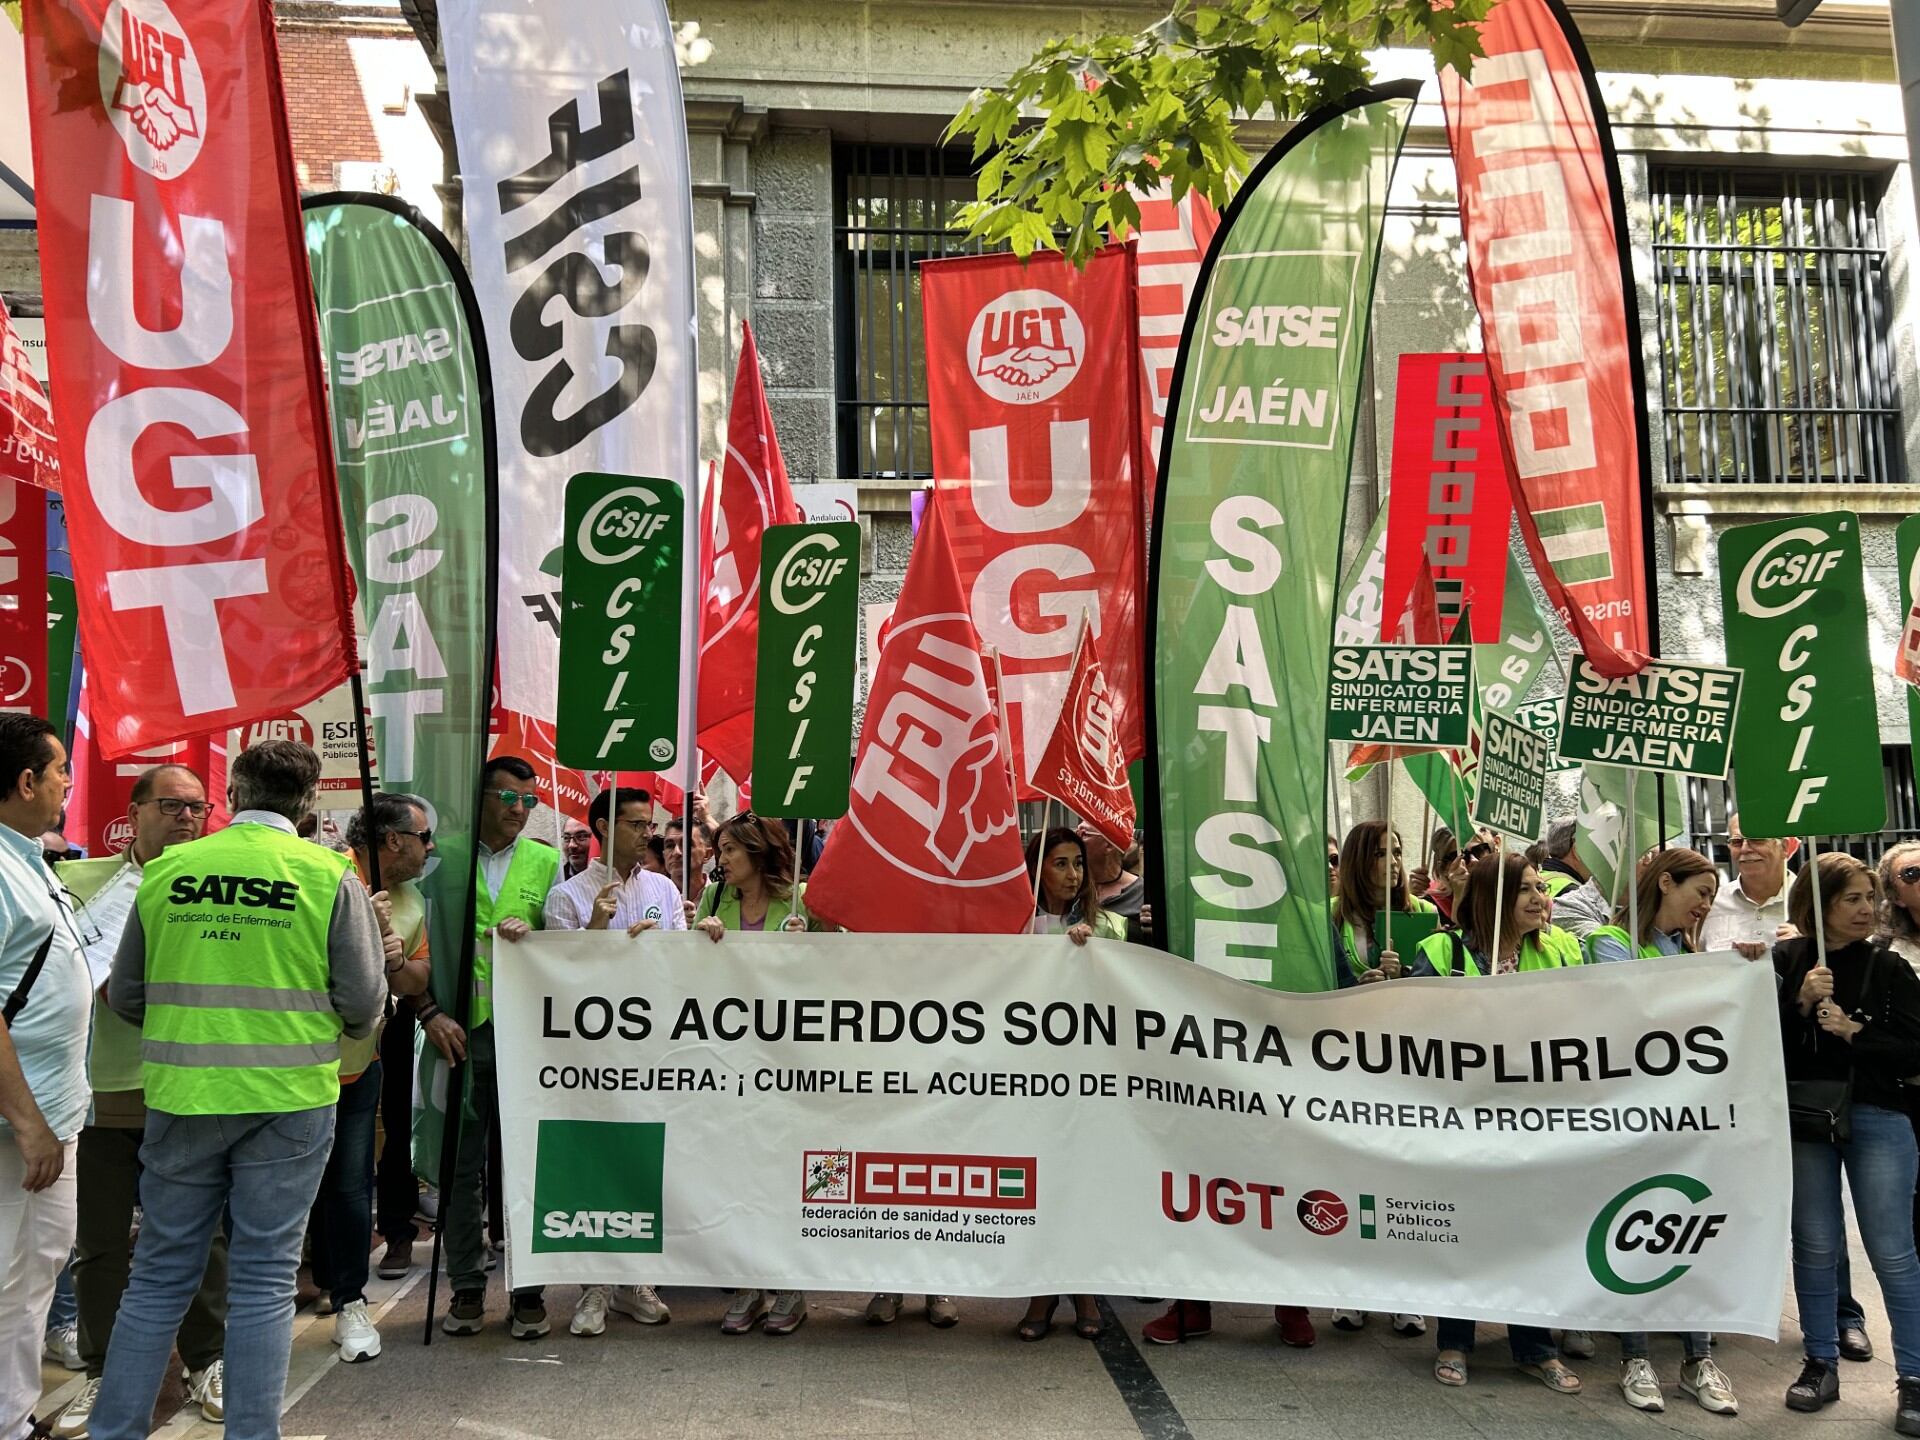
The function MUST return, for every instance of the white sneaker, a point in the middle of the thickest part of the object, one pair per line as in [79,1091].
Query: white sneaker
[1708,1384]
[208,1390]
[590,1315]
[1409,1324]
[1576,1344]
[72,1424]
[63,1348]
[748,1309]
[639,1302]
[355,1333]
[1349,1320]
[1641,1386]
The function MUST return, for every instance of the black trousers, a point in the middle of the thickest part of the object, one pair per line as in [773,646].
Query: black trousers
[396,1192]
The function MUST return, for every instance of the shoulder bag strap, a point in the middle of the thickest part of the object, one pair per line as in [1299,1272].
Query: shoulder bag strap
[17,1001]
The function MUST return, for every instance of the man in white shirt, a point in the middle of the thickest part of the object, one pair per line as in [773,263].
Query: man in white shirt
[616,891]
[1750,912]
[623,895]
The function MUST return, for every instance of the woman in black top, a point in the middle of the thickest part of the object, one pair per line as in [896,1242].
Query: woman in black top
[1858,1017]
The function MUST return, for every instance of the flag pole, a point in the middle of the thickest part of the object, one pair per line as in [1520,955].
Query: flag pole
[1819,911]
[1499,905]
[1383,942]
[1630,856]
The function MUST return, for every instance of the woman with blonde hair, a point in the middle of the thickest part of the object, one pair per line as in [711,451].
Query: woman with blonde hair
[1900,901]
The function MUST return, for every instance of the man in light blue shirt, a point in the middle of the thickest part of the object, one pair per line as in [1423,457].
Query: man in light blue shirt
[43,1058]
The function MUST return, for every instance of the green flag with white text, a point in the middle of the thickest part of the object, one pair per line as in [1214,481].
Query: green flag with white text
[1247,529]
[411,406]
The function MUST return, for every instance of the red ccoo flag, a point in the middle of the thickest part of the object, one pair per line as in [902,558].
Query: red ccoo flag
[930,842]
[753,494]
[1081,765]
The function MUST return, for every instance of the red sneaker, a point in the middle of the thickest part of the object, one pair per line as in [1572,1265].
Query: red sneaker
[1295,1328]
[1184,1320]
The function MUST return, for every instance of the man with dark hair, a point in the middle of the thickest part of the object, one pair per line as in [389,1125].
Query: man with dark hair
[393,832]
[168,807]
[247,957]
[510,899]
[43,1058]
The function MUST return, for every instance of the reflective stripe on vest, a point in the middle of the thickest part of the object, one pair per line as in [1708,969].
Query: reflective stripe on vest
[239,1019]
[523,896]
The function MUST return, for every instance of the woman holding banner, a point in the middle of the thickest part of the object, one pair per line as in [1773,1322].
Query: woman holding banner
[1850,1028]
[1365,891]
[1066,901]
[1672,895]
[754,889]
[1503,926]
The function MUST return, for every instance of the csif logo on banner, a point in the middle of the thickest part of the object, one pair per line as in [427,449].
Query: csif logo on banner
[1645,1238]
[151,81]
[1026,346]
[582,260]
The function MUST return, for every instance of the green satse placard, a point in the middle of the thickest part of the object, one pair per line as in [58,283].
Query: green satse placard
[1511,793]
[1401,694]
[619,702]
[1673,716]
[1806,756]
[1544,716]
[1906,543]
[803,682]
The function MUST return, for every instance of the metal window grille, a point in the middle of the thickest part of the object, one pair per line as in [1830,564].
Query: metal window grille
[1710,801]
[895,205]
[1773,312]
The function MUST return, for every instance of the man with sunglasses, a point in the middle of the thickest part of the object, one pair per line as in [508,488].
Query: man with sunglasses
[1749,913]
[514,877]
[168,807]
[43,1058]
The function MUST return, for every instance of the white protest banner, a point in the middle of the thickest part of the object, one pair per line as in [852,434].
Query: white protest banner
[968,1115]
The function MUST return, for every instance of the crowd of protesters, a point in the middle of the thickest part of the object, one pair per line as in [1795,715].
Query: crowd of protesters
[134,1095]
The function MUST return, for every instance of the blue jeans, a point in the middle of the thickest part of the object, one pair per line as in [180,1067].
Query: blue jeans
[65,1310]
[1880,1164]
[263,1172]
[343,1215]
[1853,1315]
[1698,1344]
[1529,1344]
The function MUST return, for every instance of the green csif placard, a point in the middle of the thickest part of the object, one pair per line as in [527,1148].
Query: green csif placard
[620,623]
[1806,756]
[1401,695]
[1906,544]
[803,683]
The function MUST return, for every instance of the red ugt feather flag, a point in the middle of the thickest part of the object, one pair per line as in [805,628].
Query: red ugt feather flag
[753,494]
[930,841]
[1082,766]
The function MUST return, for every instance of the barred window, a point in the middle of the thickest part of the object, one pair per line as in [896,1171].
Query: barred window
[1773,310]
[895,205]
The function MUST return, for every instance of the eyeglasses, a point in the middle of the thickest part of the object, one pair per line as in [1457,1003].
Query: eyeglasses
[176,808]
[1479,852]
[425,837]
[68,903]
[1741,842]
[1908,874]
[528,798]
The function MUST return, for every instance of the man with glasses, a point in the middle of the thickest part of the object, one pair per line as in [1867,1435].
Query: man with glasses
[44,995]
[1750,912]
[514,876]
[617,892]
[576,843]
[247,958]
[168,807]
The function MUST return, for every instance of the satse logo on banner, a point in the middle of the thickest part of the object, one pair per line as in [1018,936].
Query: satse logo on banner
[1025,347]
[597,1185]
[151,81]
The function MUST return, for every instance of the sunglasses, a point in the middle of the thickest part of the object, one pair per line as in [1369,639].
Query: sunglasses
[1448,858]
[1479,852]
[528,798]
[195,808]
[425,837]
[1908,874]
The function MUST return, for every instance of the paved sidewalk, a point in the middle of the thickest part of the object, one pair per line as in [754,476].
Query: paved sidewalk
[839,1377]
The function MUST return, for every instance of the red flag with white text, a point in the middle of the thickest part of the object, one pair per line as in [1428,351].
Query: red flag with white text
[1448,505]
[1033,407]
[1173,237]
[23,597]
[27,449]
[1082,766]
[930,841]
[753,494]
[1551,272]
[209,562]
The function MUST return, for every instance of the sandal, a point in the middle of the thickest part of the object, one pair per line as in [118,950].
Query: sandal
[1034,1329]
[1555,1376]
[1451,1372]
[1089,1327]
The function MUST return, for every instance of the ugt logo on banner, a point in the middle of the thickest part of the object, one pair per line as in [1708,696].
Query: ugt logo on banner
[1026,346]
